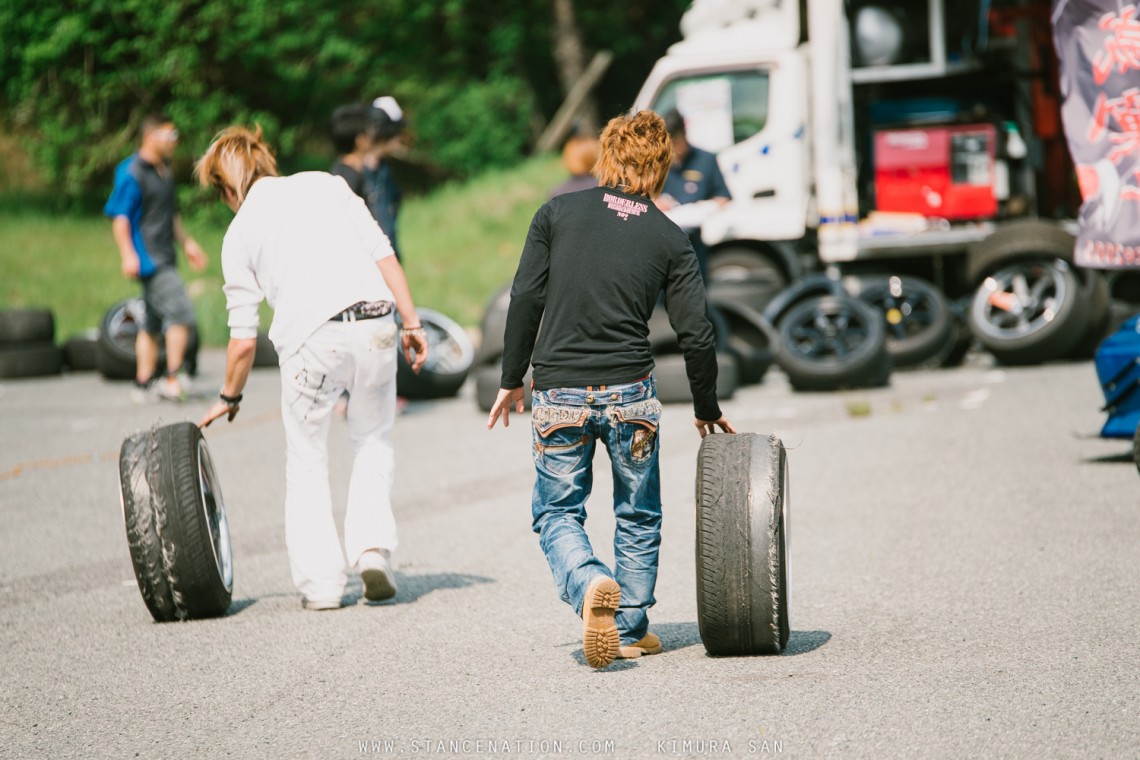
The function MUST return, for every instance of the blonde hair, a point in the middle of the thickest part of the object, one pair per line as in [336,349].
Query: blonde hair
[579,154]
[236,159]
[635,153]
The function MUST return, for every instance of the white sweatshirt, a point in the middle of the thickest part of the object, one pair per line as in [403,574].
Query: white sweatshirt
[306,244]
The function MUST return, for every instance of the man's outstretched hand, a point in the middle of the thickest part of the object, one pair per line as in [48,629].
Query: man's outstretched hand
[503,404]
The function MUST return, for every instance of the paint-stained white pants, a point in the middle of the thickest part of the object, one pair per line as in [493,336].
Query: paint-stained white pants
[359,357]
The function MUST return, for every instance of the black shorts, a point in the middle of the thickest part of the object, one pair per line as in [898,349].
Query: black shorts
[167,302]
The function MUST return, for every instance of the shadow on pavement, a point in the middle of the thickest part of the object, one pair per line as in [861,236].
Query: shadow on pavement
[412,587]
[239,605]
[802,642]
[1121,458]
[680,635]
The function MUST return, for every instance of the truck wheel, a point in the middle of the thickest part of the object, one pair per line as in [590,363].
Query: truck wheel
[833,342]
[1029,311]
[176,524]
[30,360]
[673,381]
[750,339]
[493,326]
[920,328]
[742,544]
[487,381]
[736,264]
[450,355]
[22,326]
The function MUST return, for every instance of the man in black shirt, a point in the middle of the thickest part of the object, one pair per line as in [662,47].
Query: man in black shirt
[351,135]
[591,271]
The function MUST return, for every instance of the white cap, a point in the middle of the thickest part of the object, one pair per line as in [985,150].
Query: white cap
[388,105]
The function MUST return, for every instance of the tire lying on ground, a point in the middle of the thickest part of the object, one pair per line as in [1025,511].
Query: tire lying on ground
[1030,306]
[487,382]
[742,544]
[920,327]
[115,356]
[23,326]
[750,339]
[833,342]
[30,360]
[176,523]
[79,352]
[450,356]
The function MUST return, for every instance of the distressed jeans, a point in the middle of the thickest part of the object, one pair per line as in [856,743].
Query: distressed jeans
[359,357]
[567,424]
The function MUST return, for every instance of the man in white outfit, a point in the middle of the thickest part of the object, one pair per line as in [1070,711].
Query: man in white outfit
[309,246]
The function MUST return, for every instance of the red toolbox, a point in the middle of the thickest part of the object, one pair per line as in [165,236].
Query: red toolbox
[946,172]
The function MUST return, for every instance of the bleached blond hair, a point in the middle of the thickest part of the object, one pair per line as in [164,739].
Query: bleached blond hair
[634,154]
[236,159]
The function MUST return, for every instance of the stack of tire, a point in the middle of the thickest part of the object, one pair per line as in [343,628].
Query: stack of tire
[27,344]
[1031,305]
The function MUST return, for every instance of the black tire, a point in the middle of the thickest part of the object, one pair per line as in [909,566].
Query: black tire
[1026,239]
[1095,293]
[487,377]
[833,342]
[920,327]
[663,340]
[673,382]
[493,326]
[23,326]
[450,356]
[750,339]
[1136,449]
[737,264]
[79,352]
[754,293]
[265,355]
[176,523]
[30,360]
[1042,324]
[742,545]
[115,356]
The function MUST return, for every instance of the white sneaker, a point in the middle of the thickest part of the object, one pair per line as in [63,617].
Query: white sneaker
[170,388]
[376,573]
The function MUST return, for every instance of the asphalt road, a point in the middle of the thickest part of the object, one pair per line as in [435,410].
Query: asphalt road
[965,575]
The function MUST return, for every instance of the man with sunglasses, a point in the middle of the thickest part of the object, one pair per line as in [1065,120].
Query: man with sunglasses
[143,209]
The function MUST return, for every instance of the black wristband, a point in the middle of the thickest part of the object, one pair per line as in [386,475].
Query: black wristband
[230,400]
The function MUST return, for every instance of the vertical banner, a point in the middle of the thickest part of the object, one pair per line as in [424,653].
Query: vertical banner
[1098,45]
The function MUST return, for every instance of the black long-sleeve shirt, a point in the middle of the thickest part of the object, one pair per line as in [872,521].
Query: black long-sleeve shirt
[591,272]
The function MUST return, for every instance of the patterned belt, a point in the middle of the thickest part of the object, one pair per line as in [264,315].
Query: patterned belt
[364,310]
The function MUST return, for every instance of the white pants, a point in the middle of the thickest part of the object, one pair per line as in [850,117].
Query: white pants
[359,357]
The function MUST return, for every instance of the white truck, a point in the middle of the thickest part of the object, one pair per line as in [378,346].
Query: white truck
[891,140]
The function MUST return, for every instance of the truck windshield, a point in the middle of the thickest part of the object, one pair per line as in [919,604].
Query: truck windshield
[720,109]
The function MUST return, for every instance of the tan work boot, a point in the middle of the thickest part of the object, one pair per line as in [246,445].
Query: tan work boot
[649,644]
[600,639]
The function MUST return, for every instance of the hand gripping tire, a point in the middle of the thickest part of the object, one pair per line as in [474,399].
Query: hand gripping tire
[176,523]
[742,544]
[450,355]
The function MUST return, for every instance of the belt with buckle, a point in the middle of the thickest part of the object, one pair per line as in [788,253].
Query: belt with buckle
[363,310]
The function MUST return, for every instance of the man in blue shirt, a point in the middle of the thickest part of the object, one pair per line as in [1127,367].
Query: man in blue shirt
[694,176]
[144,217]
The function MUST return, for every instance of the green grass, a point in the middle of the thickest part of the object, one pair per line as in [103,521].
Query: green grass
[460,243]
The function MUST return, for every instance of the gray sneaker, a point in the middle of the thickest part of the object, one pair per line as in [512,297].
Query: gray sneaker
[144,393]
[171,388]
[376,573]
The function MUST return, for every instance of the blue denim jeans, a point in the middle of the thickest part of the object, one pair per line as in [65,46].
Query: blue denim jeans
[567,423]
